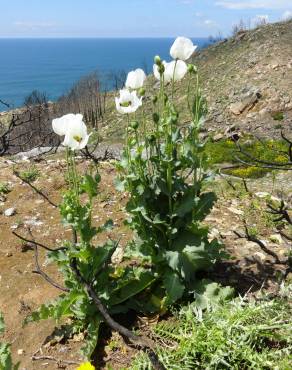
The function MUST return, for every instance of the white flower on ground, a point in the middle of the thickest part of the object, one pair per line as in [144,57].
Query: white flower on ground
[182,48]
[128,102]
[73,128]
[175,70]
[135,79]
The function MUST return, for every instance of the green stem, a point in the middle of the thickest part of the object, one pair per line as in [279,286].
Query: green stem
[172,85]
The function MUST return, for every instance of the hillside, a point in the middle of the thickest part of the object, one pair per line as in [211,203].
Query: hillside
[246,79]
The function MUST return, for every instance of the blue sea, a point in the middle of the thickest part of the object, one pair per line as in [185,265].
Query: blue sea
[54,65]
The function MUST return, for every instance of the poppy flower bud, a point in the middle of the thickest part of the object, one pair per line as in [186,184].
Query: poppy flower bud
[161,69]
[157,60]
[151,138]
[141,91]
[155,117]
[154,99]
[135,125]
[192,68]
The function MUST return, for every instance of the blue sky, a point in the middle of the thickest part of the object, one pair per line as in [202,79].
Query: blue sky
[133,18]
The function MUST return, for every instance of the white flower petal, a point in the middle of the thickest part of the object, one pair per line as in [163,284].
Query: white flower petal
[182,48]
[136,79]
[128,102]
[74,129]
[179,70]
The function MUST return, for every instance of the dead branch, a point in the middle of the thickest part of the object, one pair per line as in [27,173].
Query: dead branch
[38,191]
[144,343]
[38,269]
[51,358]
[31,241]
[282,212]
[254,239]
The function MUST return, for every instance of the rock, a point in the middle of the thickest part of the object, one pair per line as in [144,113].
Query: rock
[247,101]
[213,234]
[218,137]
[236,211]
[10,212]
[20,351]
[262,194]
[275,66]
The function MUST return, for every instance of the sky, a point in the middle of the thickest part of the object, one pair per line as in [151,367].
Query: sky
[133,18]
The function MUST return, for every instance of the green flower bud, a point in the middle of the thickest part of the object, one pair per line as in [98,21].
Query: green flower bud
[192,68]
[157,60]
[151,138]
[69,217]
[135,125]
[155,117]
[154,99]
[161,69]
[141,91]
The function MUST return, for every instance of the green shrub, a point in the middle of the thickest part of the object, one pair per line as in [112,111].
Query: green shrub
[30,175]
[248,172]
[4,188]
[5,353]
[238,335]
[278,116]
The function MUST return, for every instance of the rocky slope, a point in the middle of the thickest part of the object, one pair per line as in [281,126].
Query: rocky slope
[248,80]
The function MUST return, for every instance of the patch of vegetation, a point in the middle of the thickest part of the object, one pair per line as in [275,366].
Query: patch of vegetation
[251,172]
[226,151]
[5,353]
[30,175]
[239,335]
[4,188]
[278,116]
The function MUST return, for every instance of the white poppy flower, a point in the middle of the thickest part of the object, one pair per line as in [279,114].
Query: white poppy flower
[135,79]
[128,102]
[175,70]
[61,124]
[73,128]
[182,48]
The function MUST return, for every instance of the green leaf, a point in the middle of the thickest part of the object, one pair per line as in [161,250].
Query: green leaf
[91,338]
[57,309]
[89,185]
[2,324]
[173,286]
[185,205]
[120,184]
[209,294]
[204,205]
[131,285]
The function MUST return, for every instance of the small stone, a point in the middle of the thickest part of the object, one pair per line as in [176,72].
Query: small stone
[10,212]
[218,137]
[20,351]
[262,194]
[236,211]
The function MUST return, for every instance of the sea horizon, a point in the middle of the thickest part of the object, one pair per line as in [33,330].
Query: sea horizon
[53,65]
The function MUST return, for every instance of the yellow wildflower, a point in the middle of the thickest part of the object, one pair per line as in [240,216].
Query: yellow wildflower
[86,366]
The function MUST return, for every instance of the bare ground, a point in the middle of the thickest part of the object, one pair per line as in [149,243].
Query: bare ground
[22,291]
